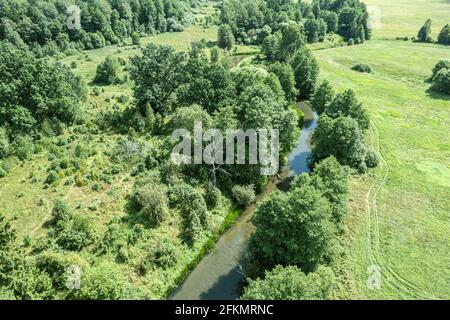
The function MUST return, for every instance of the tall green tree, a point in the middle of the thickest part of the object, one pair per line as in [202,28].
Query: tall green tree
[35,91]
[208,85]
[331,179]
[306,71]
[271,45]
[346,104]
[424,34]
[291,41]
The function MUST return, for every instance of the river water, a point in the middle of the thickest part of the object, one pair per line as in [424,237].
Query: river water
[218,276]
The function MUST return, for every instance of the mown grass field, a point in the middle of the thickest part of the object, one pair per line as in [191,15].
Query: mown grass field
[400,214]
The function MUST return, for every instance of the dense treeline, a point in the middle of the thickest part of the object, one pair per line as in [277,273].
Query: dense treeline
[42,26]
[251,21]
[192,89]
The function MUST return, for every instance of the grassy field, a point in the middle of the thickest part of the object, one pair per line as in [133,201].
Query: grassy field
[400,214]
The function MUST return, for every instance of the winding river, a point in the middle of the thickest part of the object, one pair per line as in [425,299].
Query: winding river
[219,276]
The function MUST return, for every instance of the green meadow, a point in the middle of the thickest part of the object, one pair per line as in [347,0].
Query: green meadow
[399,217]
[400,213]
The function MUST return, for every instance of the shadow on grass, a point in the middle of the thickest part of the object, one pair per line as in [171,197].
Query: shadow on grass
[437,95]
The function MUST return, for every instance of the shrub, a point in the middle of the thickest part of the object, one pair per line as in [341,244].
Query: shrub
[174,26]
[56,265]
[103,282]
[137,233]
[153,203]
[3,172]
[114,238]
[23,147]
[52,177]
[194,215]
[73,65]
[107,72]
[75,234]
[215,54]
[361,67]
[243,194]
[192,227]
